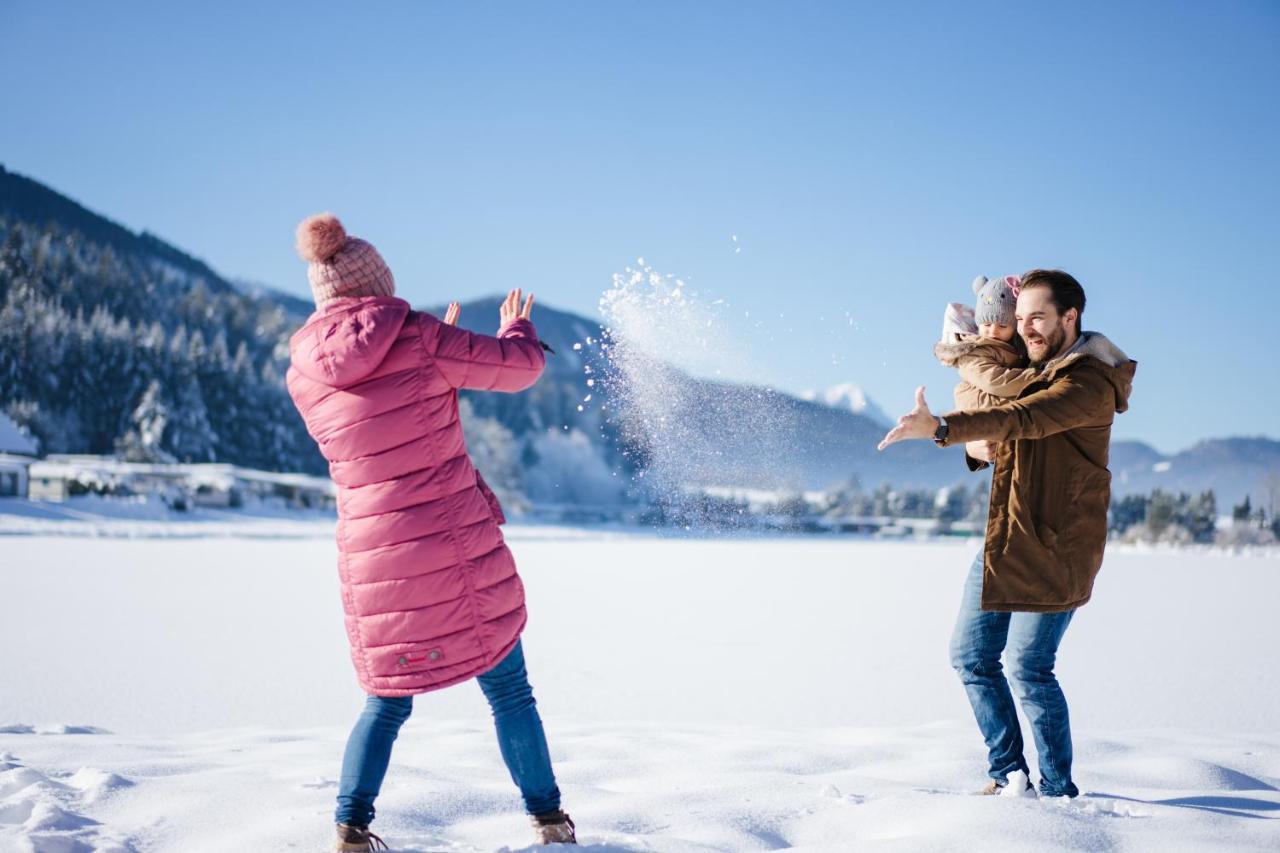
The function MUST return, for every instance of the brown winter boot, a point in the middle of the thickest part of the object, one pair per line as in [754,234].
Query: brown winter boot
[994,788]
[357,839]
[553,828]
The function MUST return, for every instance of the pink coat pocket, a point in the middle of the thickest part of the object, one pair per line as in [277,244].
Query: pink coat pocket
[491,499]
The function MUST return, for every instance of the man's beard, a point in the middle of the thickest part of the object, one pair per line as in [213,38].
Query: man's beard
[1053,346]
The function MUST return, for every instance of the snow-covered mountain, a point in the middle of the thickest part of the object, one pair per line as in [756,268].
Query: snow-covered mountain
[294,306]
[1232,467]
[852,398]
[113,341]
[123,312]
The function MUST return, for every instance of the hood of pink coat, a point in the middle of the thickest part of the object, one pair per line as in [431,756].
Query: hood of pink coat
[347,339]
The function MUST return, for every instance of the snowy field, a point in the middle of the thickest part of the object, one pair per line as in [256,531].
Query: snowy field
[193,693]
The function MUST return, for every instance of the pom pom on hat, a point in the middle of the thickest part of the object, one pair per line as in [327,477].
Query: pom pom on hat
[339,265]
[320,237]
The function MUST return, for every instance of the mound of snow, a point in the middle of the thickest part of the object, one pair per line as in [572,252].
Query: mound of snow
[1018,786]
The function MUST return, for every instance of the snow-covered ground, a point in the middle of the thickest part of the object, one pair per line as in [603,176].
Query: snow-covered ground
[194,694]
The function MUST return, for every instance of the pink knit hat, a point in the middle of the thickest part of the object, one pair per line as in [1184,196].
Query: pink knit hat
[339,265]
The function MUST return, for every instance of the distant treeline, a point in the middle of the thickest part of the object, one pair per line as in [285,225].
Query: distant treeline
[1184,518]
[108,353]
[153,358]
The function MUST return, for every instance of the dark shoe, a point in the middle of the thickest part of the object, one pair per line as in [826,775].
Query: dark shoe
[553,828]
[357,839]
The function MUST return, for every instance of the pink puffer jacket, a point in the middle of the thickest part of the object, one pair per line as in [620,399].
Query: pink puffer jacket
[429,588]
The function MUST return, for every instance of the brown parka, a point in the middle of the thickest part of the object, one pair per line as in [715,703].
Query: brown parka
[1047,524]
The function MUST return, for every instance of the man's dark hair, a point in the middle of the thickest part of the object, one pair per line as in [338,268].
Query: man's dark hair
[1067,292]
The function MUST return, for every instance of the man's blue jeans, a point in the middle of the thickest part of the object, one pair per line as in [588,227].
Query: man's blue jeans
[1029,642]
[520,737]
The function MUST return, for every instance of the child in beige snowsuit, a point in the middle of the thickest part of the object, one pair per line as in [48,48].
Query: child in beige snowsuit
[983,345]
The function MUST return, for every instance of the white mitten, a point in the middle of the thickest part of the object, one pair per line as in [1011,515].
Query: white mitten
[957,321]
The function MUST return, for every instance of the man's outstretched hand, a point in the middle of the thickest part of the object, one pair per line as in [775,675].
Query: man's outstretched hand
[452,313]
[918,423]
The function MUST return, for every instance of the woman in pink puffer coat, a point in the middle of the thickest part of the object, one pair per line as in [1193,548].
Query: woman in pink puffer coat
[429,588]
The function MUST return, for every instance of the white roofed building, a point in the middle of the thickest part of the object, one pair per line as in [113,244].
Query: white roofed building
[211,484]
[17,451]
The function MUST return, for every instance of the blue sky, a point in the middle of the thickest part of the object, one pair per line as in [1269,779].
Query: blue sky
[870,160]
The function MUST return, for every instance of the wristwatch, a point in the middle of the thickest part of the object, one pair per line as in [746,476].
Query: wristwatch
[940,434]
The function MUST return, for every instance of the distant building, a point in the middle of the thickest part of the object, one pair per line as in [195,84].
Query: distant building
[48,485]
[17,452]
[182,486]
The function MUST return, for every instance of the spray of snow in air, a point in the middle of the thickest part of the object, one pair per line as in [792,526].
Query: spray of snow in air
[685,432]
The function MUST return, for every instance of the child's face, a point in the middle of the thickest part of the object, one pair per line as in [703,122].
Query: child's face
[996,330]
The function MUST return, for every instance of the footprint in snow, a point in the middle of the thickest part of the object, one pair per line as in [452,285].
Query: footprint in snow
[320,783]
[46,813]
[54,729]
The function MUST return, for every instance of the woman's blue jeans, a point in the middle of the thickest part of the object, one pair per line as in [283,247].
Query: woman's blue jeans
[1029,642]
[520,737]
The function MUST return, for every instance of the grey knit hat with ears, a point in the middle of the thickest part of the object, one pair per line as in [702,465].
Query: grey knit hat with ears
[997,299]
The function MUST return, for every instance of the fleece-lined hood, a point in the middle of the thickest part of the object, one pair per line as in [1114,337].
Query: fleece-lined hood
[1109,358]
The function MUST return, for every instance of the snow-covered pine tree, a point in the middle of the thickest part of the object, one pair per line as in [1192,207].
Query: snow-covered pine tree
[144,441]
[495,452]
[189,435]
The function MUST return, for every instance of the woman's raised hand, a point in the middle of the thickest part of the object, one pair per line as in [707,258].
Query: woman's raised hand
[452,313]
[511,310]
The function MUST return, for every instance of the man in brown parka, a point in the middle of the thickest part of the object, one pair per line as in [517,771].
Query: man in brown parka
[1046,528]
